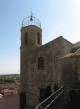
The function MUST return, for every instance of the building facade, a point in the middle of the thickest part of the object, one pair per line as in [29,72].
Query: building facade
[42,66]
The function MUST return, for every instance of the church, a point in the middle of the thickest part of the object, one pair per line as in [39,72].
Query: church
[45,68]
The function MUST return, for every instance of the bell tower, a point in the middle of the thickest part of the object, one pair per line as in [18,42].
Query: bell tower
[31,38]
[31,33]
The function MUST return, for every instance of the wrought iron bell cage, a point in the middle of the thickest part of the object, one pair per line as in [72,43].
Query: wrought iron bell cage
[31,20]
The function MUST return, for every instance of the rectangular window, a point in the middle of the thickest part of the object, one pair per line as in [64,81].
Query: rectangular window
[26,37]
[40,63]
[38,38]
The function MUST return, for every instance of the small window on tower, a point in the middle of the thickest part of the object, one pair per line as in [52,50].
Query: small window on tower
[26,37]
[38,38]
[41,63]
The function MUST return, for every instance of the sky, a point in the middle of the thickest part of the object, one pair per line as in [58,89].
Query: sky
[58,18]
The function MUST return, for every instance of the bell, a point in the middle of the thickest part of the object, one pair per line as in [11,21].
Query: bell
[31,18]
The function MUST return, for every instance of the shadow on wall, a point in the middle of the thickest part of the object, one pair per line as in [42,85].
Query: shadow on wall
[23,100]
[44,93]
[74,99]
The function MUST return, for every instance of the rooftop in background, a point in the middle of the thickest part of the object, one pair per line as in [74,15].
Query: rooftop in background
[31,20]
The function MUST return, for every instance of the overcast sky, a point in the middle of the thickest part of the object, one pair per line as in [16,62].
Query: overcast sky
[58,18]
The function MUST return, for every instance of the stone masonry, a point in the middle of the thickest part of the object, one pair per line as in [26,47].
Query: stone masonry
[44,66]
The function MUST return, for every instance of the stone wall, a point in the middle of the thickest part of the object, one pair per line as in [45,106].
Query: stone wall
[70,74]
[33,78]
[51,74]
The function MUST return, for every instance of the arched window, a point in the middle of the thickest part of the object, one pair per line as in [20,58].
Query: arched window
[38,38]
[26,37]
[40,63]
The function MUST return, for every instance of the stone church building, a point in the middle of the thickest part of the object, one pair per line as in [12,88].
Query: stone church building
[45,68]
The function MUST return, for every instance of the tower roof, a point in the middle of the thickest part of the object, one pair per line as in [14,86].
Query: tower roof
[31,20]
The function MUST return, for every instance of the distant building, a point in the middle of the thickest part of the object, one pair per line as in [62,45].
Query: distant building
[45,68]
